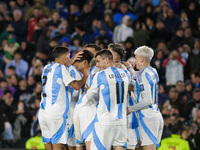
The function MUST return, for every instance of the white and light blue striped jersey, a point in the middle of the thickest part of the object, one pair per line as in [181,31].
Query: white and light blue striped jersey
[146,90]
[89,80]
[131,118]
[75,94]
[56,93]
[111,87]
[93,71]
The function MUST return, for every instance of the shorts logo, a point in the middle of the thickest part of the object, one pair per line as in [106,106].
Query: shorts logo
[141,87]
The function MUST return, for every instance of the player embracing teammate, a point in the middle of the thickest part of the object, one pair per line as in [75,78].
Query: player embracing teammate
[98,113]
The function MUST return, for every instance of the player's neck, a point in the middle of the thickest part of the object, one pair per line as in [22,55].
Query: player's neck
[76,65]
[110,64]
[144,66]
[58,60]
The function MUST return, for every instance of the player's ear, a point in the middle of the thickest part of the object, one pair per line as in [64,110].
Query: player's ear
[142,59]
[114,57]
[107,60]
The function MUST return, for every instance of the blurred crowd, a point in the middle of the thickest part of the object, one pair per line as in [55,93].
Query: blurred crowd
[30,29]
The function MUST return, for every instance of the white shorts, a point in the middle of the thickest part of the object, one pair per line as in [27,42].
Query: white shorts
[71,136]
[54,129]
[106,136]
[133,138]
[84,123]
[150,129]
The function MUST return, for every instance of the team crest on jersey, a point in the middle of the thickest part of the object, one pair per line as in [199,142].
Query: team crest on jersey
[141,87]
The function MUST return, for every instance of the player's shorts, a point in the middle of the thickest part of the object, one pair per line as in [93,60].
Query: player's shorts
[105,136]
[84,123]
[150,129]
[71,136]
[54,129]
[132,138]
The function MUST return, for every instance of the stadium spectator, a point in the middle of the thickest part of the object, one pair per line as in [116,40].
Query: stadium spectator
[195,77]
[22,93]
[192,105]
[54,19]
[20,27]
[123,31]
[188,37]
[73,17]
[141,34]
[174,142]
[193,59]
[22,5]
[174,68]
[157,62]
[81,34]
[123,11]
[4,86]
[37,4]
[21,66]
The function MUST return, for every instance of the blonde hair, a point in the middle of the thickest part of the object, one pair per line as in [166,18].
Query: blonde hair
[145,52]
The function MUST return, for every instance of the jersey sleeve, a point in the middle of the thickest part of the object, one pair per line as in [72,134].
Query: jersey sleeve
[66,75]
[145,93]
[133,73]
[94,89]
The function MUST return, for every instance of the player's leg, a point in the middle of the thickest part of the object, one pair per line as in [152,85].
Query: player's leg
[120,138]
[149,147]
[79,147]
[119,148]
[133,138]
[58,146]
[87,145]
[71,139]
[148,129]
[103,136]
[48,146]
[71,147]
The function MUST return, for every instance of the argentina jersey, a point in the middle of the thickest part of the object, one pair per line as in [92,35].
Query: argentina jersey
[146,89]
[75,94]
[93,71]
[111,85]
[56,92]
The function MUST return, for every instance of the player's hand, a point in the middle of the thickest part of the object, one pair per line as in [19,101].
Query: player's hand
[132,63]
[77,57]
[86,88]
[86,70]
[126,64]
[127,111]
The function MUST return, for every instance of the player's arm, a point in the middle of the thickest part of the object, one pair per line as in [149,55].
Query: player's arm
[94,89]
[68,79]
[78,84]
[145,96]
[130,67]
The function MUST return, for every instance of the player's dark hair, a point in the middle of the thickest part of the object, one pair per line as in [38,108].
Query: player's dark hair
[87,55]
[105,53]
[96,47]
[59,50]
[117,48]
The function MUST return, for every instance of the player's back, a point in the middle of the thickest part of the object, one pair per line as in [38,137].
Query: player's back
[56,93]
[113,85]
